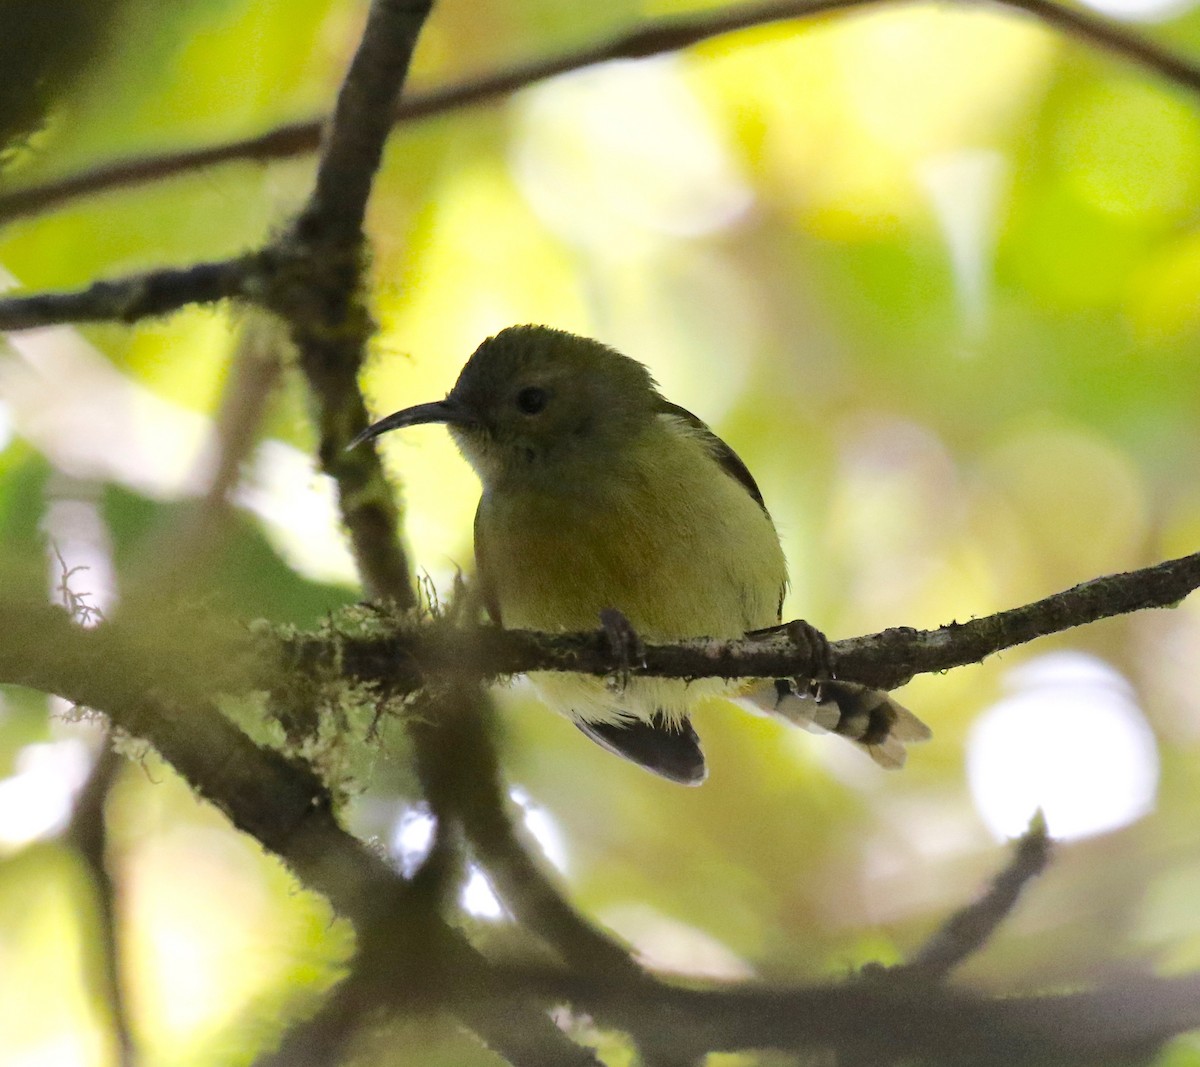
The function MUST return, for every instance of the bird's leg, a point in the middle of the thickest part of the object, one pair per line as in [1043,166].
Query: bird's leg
[624,643]
[810,643]
[814,645]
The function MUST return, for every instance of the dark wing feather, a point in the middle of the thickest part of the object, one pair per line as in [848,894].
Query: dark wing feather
[671,752]
[483,575]
[722,453]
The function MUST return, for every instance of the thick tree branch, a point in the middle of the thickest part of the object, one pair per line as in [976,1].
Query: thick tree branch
[409,957]
[651,38]
[326,243]
[404,660]
[880,1022]
[457,766]
[461,778]
[418,961]
[312,277]
[332,343]
[155,694]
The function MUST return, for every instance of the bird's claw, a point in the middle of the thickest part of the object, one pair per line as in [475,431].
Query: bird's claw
[813,644]
[627,647]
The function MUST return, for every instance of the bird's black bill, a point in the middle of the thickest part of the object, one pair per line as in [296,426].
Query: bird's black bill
[447,410]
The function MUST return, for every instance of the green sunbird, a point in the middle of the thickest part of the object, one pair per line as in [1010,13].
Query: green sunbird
[600,494]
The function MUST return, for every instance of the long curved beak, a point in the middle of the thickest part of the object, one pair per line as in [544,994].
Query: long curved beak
[448,410]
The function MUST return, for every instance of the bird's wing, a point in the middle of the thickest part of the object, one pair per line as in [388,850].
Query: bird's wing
[672,752]
[729,460]
[722,453]
[483,576]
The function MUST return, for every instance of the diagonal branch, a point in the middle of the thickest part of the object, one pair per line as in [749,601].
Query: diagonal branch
[651,38]
[158,292]
[318,291]
[460,775]
[967,931]
[152,693]
[362,121]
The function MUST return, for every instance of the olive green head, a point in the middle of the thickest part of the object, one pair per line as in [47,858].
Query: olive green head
[535,402]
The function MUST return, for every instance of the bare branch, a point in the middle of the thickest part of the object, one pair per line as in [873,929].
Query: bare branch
[362,121]
[651,38]
[684,31]
[138,296]
[461,778]
[312,278]
[968,930]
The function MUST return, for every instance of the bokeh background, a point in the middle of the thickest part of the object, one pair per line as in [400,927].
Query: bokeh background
[934,273]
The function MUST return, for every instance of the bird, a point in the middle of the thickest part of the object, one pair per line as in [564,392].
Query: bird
[603,499]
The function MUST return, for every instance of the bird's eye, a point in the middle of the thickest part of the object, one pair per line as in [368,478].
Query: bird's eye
[532,399]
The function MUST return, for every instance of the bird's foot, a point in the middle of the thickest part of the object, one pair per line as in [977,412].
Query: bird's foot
[813,644]
[623,641]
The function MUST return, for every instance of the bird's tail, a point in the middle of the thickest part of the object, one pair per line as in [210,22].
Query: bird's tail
[868,717]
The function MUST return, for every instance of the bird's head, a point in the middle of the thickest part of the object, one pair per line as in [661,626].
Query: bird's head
[534,402]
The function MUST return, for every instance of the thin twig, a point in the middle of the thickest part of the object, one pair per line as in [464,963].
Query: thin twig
[405,660]
[282,142]
[965,933]
[254,373]
[87,834]
[652,38]
[968,930]
[178,553]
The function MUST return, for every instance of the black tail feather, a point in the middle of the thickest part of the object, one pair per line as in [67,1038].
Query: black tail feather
[673,752]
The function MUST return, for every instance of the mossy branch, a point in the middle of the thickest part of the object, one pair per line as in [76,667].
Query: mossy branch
[402,658]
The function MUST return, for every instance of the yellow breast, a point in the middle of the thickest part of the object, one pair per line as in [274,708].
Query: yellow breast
[663,534]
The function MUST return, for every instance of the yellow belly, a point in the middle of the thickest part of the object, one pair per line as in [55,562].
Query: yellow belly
[670,540]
